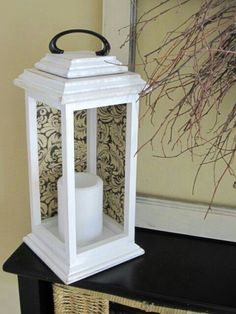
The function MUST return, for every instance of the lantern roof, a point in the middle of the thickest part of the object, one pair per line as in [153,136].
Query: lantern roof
[80,64]
[74,77]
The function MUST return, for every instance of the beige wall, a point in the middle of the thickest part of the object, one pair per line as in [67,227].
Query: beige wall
[26,28]
[114,27]
[173,178]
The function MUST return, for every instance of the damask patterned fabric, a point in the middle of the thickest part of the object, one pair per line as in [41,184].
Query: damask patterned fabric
[110,155]
[111,158]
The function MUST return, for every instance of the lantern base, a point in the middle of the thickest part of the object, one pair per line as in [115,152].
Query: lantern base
[90,259]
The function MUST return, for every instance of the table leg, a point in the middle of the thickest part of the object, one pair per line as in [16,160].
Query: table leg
[35,296]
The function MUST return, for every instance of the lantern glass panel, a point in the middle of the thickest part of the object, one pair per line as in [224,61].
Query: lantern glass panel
[50,153]
[110,160]
[50,157]
[105,139]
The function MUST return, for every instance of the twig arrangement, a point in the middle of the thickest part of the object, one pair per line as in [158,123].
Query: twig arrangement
[199,59]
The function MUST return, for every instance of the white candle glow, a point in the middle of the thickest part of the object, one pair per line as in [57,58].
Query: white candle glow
[88,206]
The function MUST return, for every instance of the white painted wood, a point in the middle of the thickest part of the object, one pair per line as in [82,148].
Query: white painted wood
[92,140]
[132,116]
[111,230]
[46,99]
[80,64]
[94,103]
[105,253]
[101,101]
[115,254]
[49,257]
[68,170]
[104,102]
[186,218]
[116,16]
[63,91]
[122,253]
[33,162]
[47,233]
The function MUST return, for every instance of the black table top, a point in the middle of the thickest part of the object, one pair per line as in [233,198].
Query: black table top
[176,270]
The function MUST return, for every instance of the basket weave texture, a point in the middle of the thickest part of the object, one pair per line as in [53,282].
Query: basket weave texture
[69,300]
[73,300]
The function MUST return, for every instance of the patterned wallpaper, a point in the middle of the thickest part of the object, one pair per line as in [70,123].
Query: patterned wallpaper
[110,155]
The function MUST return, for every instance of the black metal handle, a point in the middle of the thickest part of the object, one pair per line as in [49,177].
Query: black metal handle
[103,52]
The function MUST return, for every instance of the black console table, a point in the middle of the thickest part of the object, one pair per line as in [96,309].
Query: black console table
[176,271]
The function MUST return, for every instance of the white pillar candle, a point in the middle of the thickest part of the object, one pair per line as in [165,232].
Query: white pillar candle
[88,206]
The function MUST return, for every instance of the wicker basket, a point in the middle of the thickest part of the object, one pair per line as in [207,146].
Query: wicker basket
[72,300]
[69,300]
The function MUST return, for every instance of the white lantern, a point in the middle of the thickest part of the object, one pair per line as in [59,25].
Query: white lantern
[81,240]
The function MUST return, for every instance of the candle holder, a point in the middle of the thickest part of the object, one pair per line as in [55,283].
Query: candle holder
[81,239]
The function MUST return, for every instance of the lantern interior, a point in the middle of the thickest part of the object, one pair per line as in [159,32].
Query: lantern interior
[110,164]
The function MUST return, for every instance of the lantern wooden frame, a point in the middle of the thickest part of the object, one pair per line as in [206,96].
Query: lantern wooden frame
[117,244]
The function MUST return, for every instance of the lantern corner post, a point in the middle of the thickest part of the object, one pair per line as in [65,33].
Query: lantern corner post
[68,171]
[33,161]
[132,117]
